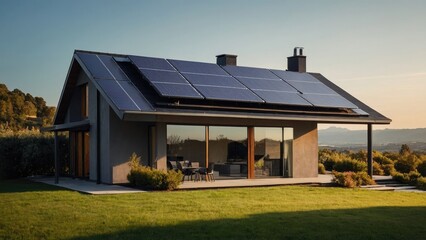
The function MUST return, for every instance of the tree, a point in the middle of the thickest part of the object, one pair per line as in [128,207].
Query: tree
[16,106]
[405,150]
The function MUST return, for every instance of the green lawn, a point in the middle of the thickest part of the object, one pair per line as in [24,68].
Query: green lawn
[36,211]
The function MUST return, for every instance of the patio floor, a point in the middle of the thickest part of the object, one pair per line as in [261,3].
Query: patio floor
[90,187]
[84,186]
[321,179]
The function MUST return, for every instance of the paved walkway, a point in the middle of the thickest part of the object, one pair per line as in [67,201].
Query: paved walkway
[321,179]
[85,186]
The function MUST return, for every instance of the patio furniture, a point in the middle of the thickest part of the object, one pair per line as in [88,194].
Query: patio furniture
[187,171]
[208,174]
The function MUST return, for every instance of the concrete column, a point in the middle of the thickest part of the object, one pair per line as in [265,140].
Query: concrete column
[161,146]
[250,154]
[370,150]
[56,158]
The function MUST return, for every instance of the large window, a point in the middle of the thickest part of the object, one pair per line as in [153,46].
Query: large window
[228,151]
[268,152]
[186,143]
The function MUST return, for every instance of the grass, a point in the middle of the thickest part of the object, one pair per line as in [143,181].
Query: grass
[31,210]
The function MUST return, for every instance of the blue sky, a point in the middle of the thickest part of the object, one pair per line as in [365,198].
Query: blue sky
[373,49]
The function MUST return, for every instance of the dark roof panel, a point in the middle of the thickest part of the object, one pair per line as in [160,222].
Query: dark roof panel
[266,84]
[134,84]
[197,67]
[228,94]
[251,72]
[151,63]
[277,97]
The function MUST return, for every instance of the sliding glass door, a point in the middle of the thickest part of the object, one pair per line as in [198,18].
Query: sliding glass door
[228,151]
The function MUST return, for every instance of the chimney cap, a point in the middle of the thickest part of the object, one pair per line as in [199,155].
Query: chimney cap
[298,51]
[226,55]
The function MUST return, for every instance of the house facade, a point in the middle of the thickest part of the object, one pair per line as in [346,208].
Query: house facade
[242,122]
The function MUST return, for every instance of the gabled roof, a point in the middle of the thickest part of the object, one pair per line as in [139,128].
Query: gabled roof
[136,86]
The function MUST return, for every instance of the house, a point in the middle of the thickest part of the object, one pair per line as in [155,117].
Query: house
[242,122]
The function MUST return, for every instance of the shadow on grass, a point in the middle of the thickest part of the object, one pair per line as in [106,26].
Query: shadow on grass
[24,185]
[362,223]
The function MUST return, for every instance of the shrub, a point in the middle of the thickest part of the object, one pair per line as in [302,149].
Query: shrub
[406,163]
[382,160]
[329,158]
[352,179]
[350,165]
[28,153]
[321,168]
[400,177]
[421,168]
[377,169]
[421,183]
[361,155]
[408,178]
[148,178]
[388,169]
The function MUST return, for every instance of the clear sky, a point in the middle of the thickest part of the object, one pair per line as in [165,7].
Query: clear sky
[373,49]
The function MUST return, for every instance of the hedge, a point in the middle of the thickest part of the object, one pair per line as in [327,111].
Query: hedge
[31,153]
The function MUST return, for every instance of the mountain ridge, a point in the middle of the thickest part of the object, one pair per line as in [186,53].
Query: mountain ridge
[336,136]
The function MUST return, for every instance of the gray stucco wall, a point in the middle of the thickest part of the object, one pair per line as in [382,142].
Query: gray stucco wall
[124,139]
[161,146]
[93,131]
[305,150]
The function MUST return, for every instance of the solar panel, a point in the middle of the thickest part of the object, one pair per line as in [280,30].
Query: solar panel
[311,87]
[118,96]
[295,76]
[136,96]
[277,97]
[212,80]
[176,90]
[197,67]
[151,63]
[266,84]
[249,72]
[113,68]
[335,101]
[162,76]
[94,65]
[228,94]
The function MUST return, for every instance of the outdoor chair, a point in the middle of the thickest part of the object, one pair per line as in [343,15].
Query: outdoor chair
[185,171]
[207,173]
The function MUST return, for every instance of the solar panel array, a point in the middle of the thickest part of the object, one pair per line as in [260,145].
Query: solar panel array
[196,80]
[185,79]
[114,82]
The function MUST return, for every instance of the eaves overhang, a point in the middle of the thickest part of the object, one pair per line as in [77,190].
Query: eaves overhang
[153,116]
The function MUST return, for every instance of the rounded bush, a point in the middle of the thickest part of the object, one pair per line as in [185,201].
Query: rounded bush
[421,168]
[321,168]
[421,183]
[350,165]
[153,179]
[352,179]
[377,169]
[388,169]
[407,163]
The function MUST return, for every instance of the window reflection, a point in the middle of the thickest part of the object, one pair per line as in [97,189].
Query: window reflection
[186,144]
[268,151]
[228,151]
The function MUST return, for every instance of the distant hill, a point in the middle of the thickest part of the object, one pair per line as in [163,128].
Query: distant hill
[387,139]
[20,110]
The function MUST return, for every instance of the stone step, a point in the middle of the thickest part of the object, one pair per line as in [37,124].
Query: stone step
[386,181]
[386,188]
